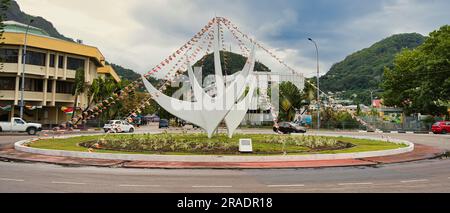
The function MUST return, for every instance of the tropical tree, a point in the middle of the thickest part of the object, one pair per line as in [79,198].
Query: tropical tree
[99,90]
[79,86]
[290,101]
[419,82]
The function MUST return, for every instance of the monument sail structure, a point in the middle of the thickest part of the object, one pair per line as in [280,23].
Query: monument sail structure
[230,103]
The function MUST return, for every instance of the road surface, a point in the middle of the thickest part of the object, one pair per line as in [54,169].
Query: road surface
[422,176]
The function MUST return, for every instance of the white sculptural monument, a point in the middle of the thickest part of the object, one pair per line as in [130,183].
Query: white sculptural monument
[230,104]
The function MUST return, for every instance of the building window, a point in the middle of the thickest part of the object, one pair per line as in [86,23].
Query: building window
[52,60]
[32,84]
[75,63]
[7,83]
[9,55]
[64,87]
[35,58]
[50,86]
[61,62]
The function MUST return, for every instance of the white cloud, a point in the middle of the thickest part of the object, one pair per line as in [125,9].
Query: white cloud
[139,34]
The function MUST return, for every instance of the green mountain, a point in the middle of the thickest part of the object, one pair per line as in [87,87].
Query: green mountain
[14,13]
[231,63]
[125,73]
[362,71]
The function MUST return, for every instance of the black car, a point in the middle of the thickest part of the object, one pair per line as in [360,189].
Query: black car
[289,127]
[163,123]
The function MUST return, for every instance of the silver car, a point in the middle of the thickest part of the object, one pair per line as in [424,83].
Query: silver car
[116,126]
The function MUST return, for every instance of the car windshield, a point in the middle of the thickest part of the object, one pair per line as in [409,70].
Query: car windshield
[111,122]
[436,124]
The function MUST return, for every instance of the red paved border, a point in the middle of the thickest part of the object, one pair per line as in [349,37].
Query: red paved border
[248,165]
[421,152]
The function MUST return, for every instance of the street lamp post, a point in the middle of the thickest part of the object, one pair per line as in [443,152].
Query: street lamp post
[24,58]
[318,88]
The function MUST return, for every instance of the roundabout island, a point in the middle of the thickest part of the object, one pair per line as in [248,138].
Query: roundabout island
[194,148]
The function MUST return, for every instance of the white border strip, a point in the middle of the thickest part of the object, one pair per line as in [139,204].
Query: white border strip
[20,146]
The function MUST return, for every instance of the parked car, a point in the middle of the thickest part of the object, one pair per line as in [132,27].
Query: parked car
[20,125]
[118,126]
[152,118]
[289,127]
[163,123]
[441,127]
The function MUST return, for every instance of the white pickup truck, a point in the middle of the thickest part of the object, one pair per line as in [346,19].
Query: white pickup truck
[19,125]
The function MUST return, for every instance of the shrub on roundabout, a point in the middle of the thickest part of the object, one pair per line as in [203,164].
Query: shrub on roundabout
[219,144]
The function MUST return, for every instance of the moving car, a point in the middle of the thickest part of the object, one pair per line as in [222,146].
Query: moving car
[118,126]
[441,127]
[289,127]
[20,125]
[163,123]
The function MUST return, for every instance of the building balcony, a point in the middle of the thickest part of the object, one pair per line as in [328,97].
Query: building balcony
[14,68]
[9,95]
[61,97]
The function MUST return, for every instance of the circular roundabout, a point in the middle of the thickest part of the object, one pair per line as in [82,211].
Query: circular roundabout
[184,147]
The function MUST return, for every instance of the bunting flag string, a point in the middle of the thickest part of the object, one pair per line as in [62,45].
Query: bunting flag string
[207,41]
[205,44]
[98,108]
[259,45]
[201,41]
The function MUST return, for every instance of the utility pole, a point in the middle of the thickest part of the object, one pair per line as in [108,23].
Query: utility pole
[318,87]
[24,58]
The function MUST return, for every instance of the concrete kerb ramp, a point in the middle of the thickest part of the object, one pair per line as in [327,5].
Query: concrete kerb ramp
[21,146]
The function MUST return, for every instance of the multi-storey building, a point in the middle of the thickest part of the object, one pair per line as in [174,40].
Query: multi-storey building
[49,68]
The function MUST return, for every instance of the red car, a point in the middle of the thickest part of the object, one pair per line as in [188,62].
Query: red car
[441,127]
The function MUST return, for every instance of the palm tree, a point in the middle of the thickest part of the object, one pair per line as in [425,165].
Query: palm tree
[100,89]
[290,101]
[78,88]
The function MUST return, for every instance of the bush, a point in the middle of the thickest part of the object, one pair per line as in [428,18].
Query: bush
[220,144]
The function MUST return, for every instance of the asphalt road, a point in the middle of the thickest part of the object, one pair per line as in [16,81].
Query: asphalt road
[421,176]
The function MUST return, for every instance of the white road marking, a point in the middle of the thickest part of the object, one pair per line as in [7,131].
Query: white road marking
[349,184]
[413,181]
[212,186]
[132,185]
[292,185]
[10,179]
[69,183]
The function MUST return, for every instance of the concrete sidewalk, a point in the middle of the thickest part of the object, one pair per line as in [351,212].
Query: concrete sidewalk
[421,152]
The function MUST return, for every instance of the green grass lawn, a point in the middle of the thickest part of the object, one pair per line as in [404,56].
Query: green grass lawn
[262,144]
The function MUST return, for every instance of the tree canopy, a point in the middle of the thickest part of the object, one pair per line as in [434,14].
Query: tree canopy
[419,81]
[291,99]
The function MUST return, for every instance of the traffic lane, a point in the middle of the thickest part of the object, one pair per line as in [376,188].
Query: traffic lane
[438,141]
[53,178]
[427,176]
[8,139]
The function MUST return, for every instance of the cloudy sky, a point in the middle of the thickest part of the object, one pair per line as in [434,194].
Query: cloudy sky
[140,33]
